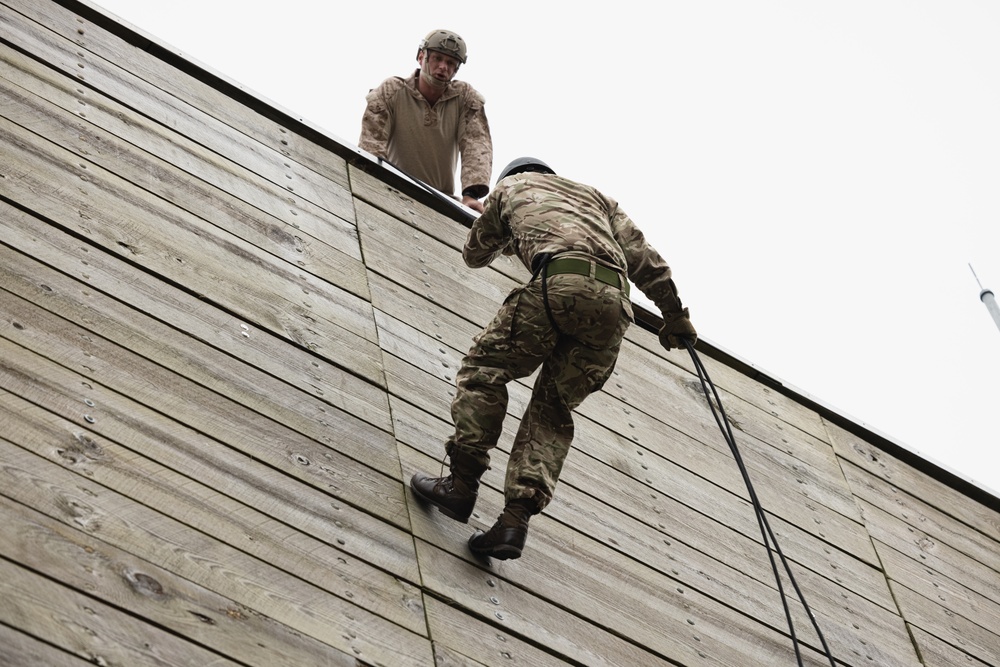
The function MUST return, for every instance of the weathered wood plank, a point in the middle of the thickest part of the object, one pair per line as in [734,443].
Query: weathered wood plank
[420,263]
[297,479]
[779,457]
[88,53]
[313,512]
[120,324]
[937,653]
[193,555]
[918,485]
[380,195]
[140,588]
[465,635]
[748,387]
[98,272]
[132,223]
[930,537]
[19,648]
[179,170]
[95,631]
[485,597]
[928,552]
[211,510]
[369,482]
[615,593]
[931,584]
[713,567]
[939,621]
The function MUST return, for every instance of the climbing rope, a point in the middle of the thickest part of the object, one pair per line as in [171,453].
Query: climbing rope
[708,387]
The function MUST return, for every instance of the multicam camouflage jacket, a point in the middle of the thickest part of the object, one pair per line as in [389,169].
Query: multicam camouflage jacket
[425,141]
[531,213]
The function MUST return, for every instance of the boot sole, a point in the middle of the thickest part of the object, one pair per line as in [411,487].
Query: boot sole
[501,552]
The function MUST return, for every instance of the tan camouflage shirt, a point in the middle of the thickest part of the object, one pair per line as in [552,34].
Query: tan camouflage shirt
[425,141]
[532,213]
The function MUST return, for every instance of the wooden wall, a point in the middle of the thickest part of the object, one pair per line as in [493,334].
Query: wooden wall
[227,341]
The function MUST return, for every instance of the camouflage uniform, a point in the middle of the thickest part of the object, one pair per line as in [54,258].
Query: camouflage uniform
[528,214]
[425,141]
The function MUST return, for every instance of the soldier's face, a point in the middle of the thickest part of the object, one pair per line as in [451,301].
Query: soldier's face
[438,66]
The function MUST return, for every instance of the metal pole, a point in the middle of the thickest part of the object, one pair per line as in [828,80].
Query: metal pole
[987,297]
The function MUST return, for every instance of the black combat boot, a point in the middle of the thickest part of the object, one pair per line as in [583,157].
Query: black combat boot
[507,536]
[455,495]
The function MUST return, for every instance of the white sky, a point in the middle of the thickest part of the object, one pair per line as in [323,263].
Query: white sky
[819,175]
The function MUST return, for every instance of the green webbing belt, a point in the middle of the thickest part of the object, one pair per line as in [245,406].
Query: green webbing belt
[582,267]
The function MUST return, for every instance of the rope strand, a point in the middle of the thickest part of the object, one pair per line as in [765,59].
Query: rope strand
[767,535]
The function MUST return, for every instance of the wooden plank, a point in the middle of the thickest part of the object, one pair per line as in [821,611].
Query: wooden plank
[140,588]
[493,599]
[420,263]
[916,484]
[178,169]
[78,47]
[193,555]
[749,388]
[118,323]
[778,457]
[98,272]
[324,465]
[131,223]
[296,475]
[462,640]
[211,510]
[372,190]
[939,621]
[936,653]
[938,556]
[931,584]
[95,631]
[19,648]
[929,536]
[618,594]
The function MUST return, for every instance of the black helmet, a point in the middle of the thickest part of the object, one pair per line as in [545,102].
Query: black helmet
[523,164]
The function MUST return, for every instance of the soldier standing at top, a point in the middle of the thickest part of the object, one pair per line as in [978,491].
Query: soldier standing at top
[422,123]
[570,318]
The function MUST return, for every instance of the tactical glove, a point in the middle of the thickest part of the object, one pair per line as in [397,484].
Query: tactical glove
[676,327]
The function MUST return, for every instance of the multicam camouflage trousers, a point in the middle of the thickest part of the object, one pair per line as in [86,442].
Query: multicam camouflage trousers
[592,318]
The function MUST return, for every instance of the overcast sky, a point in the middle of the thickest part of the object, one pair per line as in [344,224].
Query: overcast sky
[820,175]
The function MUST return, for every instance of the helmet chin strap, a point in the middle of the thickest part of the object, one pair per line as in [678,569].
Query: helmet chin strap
[429,78]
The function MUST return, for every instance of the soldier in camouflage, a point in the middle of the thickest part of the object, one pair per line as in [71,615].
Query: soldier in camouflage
[569,319]
[422,124]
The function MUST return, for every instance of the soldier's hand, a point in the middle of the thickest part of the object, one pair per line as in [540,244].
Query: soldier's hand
[676,328]
[473,203]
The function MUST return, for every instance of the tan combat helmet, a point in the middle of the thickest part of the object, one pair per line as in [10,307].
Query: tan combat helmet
[445,41]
